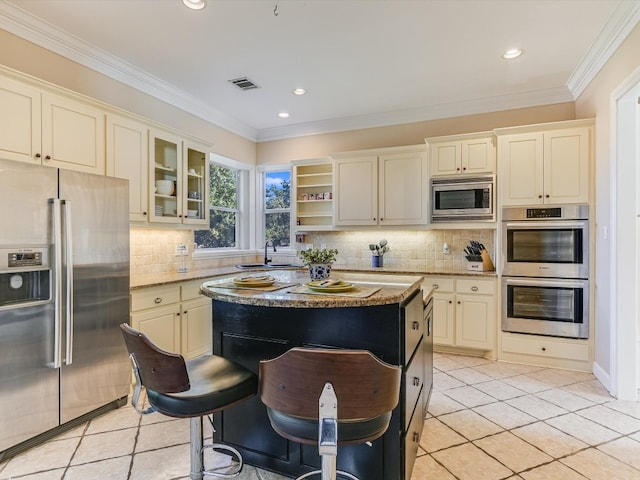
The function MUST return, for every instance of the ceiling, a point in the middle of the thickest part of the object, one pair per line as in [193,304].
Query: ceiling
[363,62]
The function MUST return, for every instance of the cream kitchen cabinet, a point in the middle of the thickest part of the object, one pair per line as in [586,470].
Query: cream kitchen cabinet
[175,317]
[128,157]
[381,187]
[464,312]
[462,154]
[545,164]
[184,165]
[41,127]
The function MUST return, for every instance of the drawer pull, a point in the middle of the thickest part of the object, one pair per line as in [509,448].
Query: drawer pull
[416,437]
[416,381]
[158,300]
[544,349]
[416,325]
[474,289]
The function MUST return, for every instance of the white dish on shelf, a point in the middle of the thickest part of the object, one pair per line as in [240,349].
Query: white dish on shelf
[165,187]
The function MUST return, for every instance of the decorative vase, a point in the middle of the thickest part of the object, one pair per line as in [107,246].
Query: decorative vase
[319,271]
[377,261]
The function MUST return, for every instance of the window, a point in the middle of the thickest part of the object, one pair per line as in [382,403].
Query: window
[277,207]
[224,212]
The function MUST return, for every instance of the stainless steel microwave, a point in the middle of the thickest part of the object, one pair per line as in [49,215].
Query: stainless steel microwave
[455,199]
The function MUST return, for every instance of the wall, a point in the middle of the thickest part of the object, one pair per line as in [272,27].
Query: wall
[595,101]
[312,146]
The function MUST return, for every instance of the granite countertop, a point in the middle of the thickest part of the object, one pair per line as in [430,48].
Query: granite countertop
[152,280]
[388,289]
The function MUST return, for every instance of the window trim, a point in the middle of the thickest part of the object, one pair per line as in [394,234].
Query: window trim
[289,251]
[245,226]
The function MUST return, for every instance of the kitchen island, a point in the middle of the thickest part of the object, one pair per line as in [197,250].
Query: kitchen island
[386,315]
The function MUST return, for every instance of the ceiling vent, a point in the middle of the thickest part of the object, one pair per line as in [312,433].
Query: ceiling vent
[244,83]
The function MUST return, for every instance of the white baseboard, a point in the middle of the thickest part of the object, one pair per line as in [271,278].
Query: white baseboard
[603,377]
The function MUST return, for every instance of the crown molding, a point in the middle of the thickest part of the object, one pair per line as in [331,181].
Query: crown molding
[618,27]
[45,35]
[422,114]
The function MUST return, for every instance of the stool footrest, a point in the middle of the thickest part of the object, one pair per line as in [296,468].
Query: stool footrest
[232,473]
[339,473]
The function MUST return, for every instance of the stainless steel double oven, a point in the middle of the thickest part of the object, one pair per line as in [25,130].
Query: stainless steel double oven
[545,270]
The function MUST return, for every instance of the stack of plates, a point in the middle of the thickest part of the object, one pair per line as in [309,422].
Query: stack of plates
[330,286]
[254,281]
[159,210]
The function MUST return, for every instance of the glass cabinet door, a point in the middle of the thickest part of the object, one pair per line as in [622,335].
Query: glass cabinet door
[165,177]
[196,184]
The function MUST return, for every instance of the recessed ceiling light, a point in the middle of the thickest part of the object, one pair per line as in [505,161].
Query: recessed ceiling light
[283,115]
[194,4]
[512,53]
[299,91]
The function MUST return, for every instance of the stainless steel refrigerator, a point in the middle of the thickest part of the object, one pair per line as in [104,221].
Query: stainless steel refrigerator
[64,290]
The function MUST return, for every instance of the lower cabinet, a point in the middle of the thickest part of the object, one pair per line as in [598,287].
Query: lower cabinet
[176,317]
[464,312]
[247,334]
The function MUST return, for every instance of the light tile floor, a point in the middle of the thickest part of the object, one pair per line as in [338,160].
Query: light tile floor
[487,421]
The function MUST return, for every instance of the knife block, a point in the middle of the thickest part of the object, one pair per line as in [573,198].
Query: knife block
[486,265]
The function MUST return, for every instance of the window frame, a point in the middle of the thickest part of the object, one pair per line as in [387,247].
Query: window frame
[290,250]
[246,218]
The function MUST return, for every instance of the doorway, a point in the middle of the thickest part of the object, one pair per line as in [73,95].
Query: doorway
[625,223]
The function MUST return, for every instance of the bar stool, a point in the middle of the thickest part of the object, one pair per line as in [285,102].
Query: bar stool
[191,389]
[329,397]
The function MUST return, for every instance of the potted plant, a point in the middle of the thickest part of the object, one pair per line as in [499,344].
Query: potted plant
[319,261]
[377,252]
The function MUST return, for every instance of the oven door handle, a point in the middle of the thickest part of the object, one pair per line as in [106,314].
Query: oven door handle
[531,282]
[546,225]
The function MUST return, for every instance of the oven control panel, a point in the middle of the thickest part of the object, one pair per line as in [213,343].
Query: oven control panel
[544,212]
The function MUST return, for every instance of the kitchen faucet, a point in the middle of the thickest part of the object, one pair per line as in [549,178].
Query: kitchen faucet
[268,244]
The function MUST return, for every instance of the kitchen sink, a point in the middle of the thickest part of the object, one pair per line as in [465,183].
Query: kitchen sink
[267,265]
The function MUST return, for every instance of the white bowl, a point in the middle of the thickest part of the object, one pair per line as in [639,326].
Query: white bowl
[165,187]
[192,213]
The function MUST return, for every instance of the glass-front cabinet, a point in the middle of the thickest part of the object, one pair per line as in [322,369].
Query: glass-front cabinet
[178,180]
[196,180]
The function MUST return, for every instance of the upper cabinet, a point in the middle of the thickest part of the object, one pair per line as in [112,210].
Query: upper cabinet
[313,190]
[381,187]
[53,130]
[178,180]
[128,157]
[545,164]
[462,154]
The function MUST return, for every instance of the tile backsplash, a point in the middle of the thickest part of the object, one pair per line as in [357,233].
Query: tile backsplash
[416,250]
[153,251]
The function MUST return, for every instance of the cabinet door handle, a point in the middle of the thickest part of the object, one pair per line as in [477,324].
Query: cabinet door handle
[435,286]
[374,218]
[416,325]
[547,196]
[474,289]
[451,301]
[158,300]
[416,382]
[464,168]
[48,157]
[382,219]
[177,314]
[539,196]
[185,312]
[38,155]
[544,349]
[144,213]
[458,302]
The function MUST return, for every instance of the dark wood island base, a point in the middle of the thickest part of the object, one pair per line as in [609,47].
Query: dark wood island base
[398,332]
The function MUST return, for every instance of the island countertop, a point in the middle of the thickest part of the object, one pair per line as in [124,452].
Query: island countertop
[388,288]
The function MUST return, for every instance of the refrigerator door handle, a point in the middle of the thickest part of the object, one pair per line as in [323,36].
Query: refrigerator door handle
[68,242]
[57,282]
